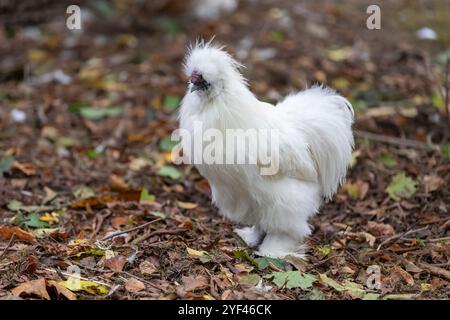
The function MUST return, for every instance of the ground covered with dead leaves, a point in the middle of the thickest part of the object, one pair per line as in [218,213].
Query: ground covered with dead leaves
[88,191]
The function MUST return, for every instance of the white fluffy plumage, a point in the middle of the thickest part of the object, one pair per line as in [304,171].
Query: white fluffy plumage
[316,144]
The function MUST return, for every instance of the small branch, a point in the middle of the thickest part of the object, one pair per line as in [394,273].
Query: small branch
[11,241]
[400,236]
[394,140]
[117,233]
[429,240]
[158,233]
[436,270]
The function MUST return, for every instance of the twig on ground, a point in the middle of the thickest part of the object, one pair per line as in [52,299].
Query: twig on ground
[398,236]
[118,233]
[157,233]
[394,140]
[90,268]
[429,240]
[436,270]
[11,241]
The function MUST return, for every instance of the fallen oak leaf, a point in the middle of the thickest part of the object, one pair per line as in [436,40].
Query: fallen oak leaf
[192,283]
[405,275]
[133,285]
[116,263]
[34,287]
[97,201]
[147,268]
[380,229]
[432,183]
[62,290]
[118,183]
[362,235]
[7,232]
[26,168]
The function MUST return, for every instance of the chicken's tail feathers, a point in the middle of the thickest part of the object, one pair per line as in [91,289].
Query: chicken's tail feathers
[325,118]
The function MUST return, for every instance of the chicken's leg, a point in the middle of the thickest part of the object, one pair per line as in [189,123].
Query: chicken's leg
[252,236]
[280,245]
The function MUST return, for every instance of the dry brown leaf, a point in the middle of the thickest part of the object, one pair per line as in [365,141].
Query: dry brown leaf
[369,238]
[26,168]
[35,287]
[62,290]
[133,285]
[147,268]
[380,229]
[243,267]
[432,183]
[187,205]
[116,264]
[411,267]
[131,195]
[119,221]
[117,183]
[7,232]
[405,275]
[193,283]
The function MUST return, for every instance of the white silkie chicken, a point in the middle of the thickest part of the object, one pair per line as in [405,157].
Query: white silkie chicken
[315,149]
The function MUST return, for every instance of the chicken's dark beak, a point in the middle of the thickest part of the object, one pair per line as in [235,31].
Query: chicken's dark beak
[198,82]
[195,88]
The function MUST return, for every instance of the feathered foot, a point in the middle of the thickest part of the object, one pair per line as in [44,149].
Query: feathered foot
[279,246]
[252,236]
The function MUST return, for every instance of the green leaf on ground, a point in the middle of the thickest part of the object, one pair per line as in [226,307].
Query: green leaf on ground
[15,205]
[388,160]
[158,214]
[32,220]
[354,289]
[83,192]
[167,144]
[92,154]
[252,279]
[401,186]
[171,103]
[169,171]
[94,113]
[91,287]
[146,197]
[292,279]
[264,262]
[5,164]
[446,150]
[325,250]
[170,26]
[277,36]
[202,255]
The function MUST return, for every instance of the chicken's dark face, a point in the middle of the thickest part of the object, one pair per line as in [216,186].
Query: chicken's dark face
[198,82]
